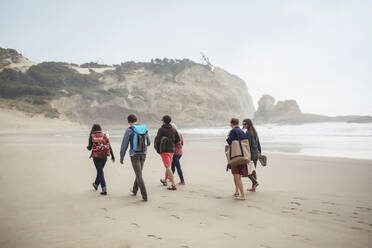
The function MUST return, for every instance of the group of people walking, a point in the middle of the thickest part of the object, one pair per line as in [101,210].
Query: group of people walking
[168,143]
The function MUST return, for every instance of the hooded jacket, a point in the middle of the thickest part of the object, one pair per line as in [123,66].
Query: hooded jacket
[168,131]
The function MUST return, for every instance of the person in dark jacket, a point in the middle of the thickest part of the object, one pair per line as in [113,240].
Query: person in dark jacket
[234,134]
[255,146]
[165,141]
[99,161]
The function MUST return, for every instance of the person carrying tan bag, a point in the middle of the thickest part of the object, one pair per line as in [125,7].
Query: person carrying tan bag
[238,155]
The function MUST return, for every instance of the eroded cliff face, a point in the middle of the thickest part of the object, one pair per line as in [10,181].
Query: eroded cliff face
[11,59]
[195,95]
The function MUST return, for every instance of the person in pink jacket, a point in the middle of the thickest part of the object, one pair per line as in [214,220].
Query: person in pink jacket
[177,156]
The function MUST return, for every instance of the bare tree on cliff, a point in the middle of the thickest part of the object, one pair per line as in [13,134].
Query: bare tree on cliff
[206,60]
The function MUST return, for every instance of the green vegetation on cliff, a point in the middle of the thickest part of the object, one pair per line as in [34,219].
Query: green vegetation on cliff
[32,91]
[93,92]
[42,83]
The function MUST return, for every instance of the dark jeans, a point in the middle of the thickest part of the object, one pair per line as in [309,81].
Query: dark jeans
[100,179]
[137,162]
[253,177]
[176,164]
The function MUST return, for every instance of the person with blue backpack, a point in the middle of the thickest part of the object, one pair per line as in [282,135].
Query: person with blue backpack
[137,137]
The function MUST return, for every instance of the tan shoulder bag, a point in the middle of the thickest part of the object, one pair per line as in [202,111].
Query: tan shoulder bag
[238,152]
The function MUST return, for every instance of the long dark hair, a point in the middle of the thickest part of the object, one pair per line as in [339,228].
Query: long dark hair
[95,128]
[250,127]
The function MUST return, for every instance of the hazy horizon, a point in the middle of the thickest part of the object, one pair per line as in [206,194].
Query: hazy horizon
[317,53]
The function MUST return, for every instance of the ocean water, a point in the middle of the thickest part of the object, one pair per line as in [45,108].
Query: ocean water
[349,140]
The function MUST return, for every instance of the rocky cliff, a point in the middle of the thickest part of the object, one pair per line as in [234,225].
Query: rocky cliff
[11,59]
[192,93]
[288,112]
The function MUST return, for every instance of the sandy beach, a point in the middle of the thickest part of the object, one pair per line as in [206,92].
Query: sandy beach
[47,199]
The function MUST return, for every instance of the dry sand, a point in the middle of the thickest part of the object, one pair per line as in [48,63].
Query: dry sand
[46,200]
[12,121]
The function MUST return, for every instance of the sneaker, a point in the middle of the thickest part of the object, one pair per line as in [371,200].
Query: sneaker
[104,193]
[95,186]
[181,183]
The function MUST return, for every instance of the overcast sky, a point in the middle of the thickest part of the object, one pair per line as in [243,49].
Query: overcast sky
[316,52]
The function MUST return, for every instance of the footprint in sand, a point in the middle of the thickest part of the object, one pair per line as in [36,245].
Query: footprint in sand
[175,216]
[153,236]
[299,198]
[135,224]
[108,217]
[292,209]
[184,246]
[364,209]
[265,246]
[296,203]
[250,206]
[344,221]
[299,236]
[330,203]
[224,215]
[256,226]
[104,209]
[314,211]
[218,197]
[230,235]
[357,228]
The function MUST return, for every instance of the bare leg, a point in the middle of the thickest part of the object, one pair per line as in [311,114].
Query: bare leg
[239,185]
[169,175]
[236,194]
[166,175]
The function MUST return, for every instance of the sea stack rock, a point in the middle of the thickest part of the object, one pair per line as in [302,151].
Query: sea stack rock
[282,111]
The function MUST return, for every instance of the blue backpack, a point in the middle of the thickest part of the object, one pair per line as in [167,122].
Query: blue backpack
[139,138]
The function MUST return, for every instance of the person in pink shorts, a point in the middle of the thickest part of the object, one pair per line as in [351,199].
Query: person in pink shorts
[165,141]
